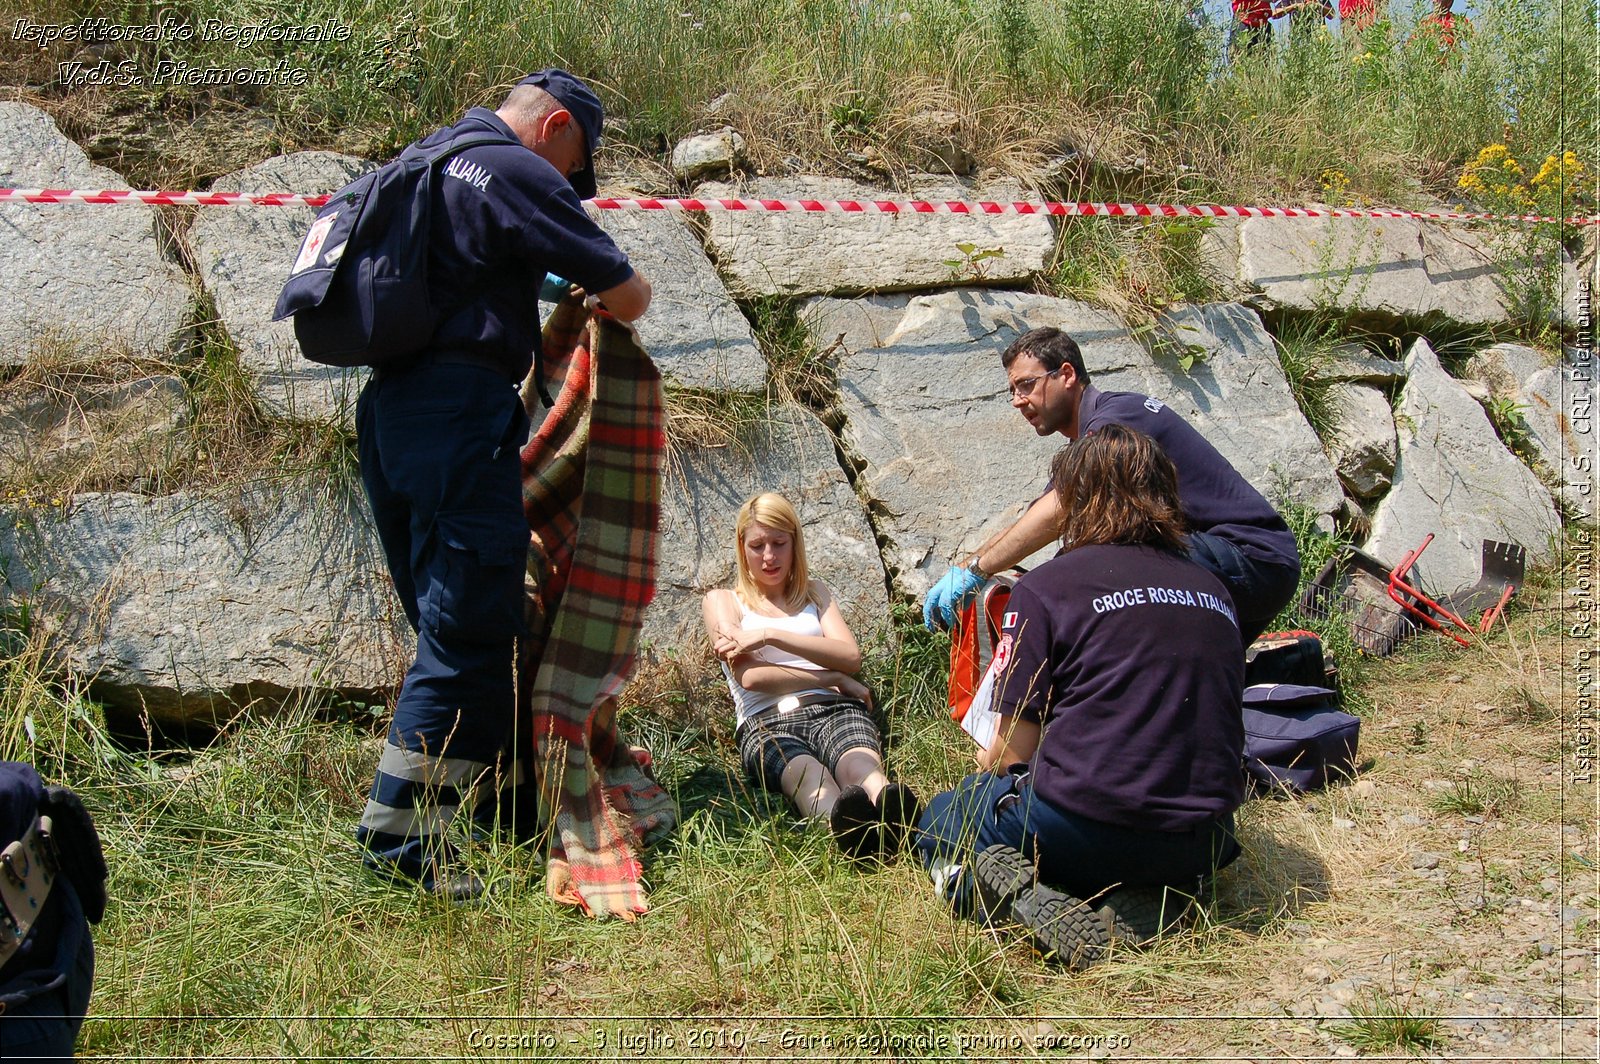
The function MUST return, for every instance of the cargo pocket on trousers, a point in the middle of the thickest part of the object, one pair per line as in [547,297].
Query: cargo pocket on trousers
[477,593]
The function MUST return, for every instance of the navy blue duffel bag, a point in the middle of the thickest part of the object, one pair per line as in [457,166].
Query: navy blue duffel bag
[1296,738]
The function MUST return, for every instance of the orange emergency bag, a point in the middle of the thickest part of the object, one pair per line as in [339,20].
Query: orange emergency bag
[973,639]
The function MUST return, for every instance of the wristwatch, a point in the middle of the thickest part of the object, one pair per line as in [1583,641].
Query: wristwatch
[975,569]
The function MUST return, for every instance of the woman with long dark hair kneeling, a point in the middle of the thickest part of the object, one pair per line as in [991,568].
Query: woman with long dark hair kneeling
[1116,769]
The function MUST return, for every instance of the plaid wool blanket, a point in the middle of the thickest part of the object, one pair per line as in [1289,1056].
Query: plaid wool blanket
[591,490]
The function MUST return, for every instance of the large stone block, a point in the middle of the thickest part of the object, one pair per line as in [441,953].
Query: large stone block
[946,461]
[693,329]
[1392,268]
[1503,367]
[1455,479]
[74,275]
[1362,445]
[1236,395]
[1554,398]
[791,453]
[1559,409]
[188,607]
[793,253]
[243,255]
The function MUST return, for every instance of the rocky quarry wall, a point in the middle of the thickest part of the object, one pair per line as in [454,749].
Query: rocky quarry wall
[190,604]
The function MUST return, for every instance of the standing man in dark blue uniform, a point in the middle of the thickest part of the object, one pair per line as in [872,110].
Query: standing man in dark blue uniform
[1233,530]
[439,443]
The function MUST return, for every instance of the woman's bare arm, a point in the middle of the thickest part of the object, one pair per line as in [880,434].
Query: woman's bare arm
[1015,740]
[736,645]
[835,648]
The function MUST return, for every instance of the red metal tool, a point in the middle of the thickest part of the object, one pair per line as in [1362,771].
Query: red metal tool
[1439,615]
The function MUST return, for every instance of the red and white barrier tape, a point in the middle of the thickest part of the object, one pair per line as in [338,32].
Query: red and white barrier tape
[804,206]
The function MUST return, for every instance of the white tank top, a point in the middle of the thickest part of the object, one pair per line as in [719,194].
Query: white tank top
[807,622]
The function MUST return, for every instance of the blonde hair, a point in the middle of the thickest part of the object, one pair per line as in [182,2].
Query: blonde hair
[778,514]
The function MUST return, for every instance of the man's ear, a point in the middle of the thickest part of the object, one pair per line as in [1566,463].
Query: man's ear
[554,123]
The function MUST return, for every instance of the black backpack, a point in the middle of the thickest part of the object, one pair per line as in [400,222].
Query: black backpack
[1289,657]
[358,287]
[45,834]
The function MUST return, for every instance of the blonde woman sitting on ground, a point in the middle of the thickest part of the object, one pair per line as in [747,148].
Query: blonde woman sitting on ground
[804,726]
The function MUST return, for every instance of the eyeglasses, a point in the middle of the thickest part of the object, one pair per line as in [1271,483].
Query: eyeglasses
[1026,385]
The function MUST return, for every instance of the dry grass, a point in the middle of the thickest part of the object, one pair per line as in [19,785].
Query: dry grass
[1135,271]
[838,86]
[807,117]
[75,424]
[699,422]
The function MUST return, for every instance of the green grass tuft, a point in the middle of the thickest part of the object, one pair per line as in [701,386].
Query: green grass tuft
[1379,1023]
[1305,352]
[1486,795]
[1143,90]
[801,367]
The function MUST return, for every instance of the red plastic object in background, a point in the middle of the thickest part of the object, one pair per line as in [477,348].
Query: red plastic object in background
[973,639]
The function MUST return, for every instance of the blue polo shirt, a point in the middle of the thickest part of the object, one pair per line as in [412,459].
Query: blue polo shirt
[1130,658]
[1215,498]
[503,217]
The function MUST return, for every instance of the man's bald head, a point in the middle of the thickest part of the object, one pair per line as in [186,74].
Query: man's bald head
[527,106]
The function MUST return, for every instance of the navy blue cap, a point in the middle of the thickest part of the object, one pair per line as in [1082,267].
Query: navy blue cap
[585,108]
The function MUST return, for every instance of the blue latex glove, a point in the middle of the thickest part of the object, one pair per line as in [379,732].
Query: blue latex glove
[949,595]
[554,289]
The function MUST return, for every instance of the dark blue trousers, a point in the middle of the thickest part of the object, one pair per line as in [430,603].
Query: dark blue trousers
[1080,856]
[1260,590]
[439,446]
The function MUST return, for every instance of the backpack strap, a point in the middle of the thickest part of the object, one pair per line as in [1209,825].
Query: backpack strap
[422,205]
[421,221]
[78,849]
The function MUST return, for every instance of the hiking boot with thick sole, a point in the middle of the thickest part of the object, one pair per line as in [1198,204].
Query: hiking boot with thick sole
[1143,914]
[999,876]
[1063,928]
[460,888]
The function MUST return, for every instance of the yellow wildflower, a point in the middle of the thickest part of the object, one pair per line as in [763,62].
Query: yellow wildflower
[1334,182]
